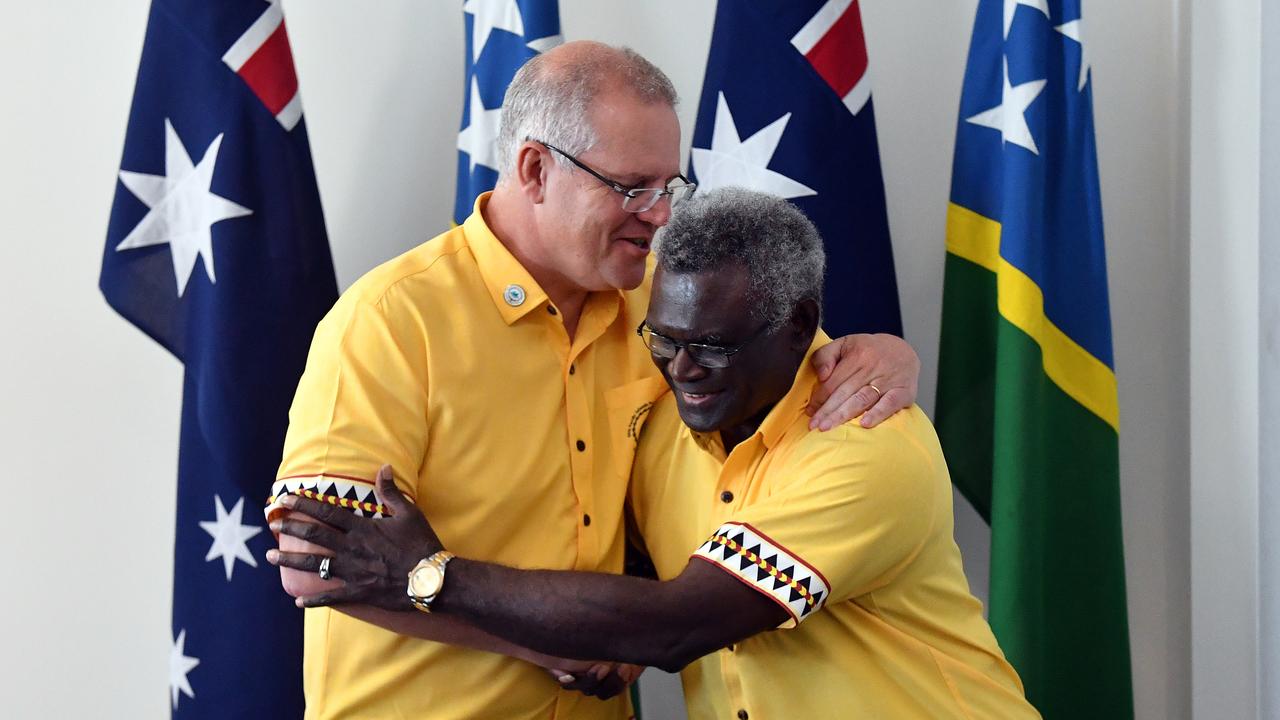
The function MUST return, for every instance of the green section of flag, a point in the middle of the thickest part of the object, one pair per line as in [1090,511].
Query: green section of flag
[1044,471]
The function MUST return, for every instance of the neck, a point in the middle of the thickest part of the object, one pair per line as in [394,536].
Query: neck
[734,434]
[512,222]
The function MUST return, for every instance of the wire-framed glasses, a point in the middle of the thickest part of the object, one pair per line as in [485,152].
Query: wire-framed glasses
[708,356]
[634,199]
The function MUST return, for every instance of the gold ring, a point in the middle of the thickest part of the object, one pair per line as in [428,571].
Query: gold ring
[873,387]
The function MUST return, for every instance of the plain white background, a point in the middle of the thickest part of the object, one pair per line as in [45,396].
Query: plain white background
[89,409]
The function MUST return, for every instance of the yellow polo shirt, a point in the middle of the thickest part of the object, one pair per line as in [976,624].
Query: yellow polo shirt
[450,363]
[850,532]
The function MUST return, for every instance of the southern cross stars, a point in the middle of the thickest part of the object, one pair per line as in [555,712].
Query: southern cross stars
[183,210]
[229,536]
[1075,31]
[1010,116]
[478,138]
[733,161]
[179,665]
[1011,7]
[489,15]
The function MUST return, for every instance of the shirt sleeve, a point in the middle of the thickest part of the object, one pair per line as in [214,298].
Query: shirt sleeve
[361,403]
[849,510]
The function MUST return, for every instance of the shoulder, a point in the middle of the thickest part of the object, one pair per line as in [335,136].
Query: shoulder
[419,269]
[901,453]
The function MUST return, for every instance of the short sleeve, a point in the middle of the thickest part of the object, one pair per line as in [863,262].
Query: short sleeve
[849,510]
[361,403]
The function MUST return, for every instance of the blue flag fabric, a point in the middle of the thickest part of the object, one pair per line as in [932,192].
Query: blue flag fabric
[786,109]
[216,248]
[501,36]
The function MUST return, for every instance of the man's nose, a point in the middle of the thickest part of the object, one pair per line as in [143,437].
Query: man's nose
[683,369]
[659,214]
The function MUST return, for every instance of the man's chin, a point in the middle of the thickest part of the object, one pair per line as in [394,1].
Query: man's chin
[698,418]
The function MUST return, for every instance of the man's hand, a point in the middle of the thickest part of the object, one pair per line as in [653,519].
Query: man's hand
[872,375]
[600,679]
[372,557]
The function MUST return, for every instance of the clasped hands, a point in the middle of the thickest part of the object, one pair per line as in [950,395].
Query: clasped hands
[372,559]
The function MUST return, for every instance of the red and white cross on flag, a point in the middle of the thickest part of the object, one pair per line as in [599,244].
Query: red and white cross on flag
[261,57]
[832,42]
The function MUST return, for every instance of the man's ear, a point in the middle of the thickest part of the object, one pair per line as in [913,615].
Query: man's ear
[530,170]
[804,324]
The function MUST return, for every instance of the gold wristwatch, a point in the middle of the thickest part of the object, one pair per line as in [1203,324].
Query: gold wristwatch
[426,579]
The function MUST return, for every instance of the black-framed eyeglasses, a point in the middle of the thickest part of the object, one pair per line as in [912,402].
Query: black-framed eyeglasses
[708,356]
[634,199]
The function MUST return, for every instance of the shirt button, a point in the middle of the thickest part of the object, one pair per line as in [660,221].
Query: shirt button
[581,446]
[726,497]
[742,715]
[586,520]
[572,369]
[551,309]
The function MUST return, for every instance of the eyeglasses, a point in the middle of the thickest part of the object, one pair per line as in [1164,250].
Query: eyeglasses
[634,200]
[708,356]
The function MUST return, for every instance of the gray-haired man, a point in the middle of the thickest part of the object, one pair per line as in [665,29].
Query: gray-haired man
[754,521]
[479,364]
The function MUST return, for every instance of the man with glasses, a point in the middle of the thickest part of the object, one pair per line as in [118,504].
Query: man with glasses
[755,522]
[480,366]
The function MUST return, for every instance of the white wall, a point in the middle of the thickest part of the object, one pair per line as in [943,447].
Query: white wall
[91,406]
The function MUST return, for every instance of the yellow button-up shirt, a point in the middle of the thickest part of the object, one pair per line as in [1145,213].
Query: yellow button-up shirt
[450,363]
[850,532]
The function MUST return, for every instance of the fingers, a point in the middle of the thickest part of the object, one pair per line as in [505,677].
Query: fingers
[825,358]
[307,562]
[387,492]
[338,596]
[325,513]
[892,401]
[312,532]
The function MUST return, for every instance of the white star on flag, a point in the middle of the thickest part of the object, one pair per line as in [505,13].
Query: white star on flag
[479,138]
[1010,116]
[733,161]
[489,15]
[229,536]
[1075,31]
[179,666]
[1011,7]
[183,210]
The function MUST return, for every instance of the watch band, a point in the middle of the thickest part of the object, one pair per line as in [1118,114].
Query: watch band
[439,561]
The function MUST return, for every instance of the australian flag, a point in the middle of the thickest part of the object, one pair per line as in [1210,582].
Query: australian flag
[786,109]
[501,36]
[216,248]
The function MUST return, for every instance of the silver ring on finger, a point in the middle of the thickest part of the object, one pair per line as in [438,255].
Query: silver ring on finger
[324,571]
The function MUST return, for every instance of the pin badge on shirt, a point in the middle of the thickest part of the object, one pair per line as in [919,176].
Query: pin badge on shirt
[514,295]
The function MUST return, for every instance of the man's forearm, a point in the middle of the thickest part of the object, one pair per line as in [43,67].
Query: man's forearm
[578,615]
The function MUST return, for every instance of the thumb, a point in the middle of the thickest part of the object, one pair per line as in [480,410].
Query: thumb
[387,492]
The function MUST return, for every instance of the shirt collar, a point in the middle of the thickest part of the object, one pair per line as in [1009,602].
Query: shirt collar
[506,279]
[514,291]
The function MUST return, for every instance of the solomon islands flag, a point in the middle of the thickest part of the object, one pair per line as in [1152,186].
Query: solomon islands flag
[501,36]
[216,248]
[786,109]
[1027,407]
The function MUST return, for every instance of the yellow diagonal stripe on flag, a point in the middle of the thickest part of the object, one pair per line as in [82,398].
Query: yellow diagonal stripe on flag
[1080,375]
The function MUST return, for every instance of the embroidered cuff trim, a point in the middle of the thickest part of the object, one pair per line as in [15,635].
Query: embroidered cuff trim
[770,568]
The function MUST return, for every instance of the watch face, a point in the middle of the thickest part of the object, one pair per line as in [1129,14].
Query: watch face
[425,581]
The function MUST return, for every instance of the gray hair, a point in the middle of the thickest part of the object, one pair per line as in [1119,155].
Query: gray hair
[780,248]
[550,97]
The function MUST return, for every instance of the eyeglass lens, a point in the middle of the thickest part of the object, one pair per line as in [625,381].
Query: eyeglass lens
[704,355]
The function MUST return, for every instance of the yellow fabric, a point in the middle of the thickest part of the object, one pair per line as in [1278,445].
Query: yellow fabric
[1071,367]
[861,519]
[425,365]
